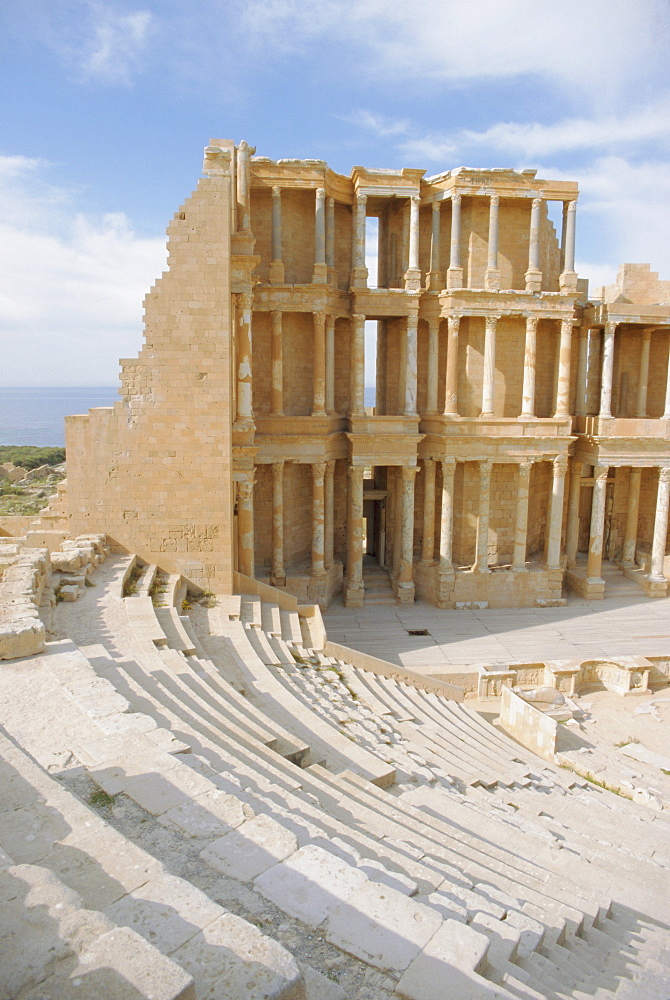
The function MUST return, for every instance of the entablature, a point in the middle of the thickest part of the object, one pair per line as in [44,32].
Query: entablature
[639,453]
[599,314]
[624,428]
[302,298]
[478,302]
[391,449]
[478,429]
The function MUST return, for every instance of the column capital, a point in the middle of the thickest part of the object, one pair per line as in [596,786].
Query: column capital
[245,487]
[537,202]
[456,198]
[409,472]
[664,474]
[600,472]
[494,199]
[319,317]
[525,465]
[436,206]
[415,200]
[453,321]
[560,465]
[572,206]
[449,462]
[276,191]
[278,468]
[319,471]
[277,316]
[610,327]
[647,332]
[361,199]
[358,317]
[320,194]
[355,473]
[244,300]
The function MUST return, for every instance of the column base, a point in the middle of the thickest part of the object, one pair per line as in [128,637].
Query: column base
[277,581]
[520,569]
[412,280]
[405,593]
[533,280]
[654,586]
[354,596]
[320,274]
[455,277]
[276,272]
[492,280]
[434,281]
[359,277]
[567,282]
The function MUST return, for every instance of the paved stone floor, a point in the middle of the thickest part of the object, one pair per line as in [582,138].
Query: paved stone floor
[625,623]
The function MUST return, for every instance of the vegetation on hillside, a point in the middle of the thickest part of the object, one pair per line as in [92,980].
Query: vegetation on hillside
[30,456]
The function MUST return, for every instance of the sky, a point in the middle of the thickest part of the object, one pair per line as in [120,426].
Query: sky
[105,108]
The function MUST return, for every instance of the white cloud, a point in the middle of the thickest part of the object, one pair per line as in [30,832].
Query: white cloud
[112,53]
[377,124]
[71,285]
[594,50]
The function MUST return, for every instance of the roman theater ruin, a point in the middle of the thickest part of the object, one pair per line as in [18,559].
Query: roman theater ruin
[202,793]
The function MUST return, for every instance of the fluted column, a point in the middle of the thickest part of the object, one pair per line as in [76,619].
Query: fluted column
[572,531]
[357,391]
[405,585]
[353,595]
[533,274]
[529,367]
[245,416]
[492,275]
[580,395]
[359,276]
[660,525]
[329,519]
[434,279]
[451,382]
[595,559]
[455,272]
[428,543]
[413,274]
[330,364]
[488,386]
[319,379]
[482,553]
[555,518]
[607,371]
[278,576]
[411,365]
[318,518]
[320,268]
[243,151]
[245,525]
[521,519]
[643,382]
[563,377]
[431,377]
[276,264]
[632,513]
[277,354]
[447,514]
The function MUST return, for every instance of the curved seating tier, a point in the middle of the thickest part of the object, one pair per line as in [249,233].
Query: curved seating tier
[433,881]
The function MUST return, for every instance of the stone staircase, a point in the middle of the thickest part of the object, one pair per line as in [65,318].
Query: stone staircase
[377,583]
[438,885]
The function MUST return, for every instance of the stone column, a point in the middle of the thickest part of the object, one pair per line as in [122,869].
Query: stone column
[521,520]
[431,379]
[413,273]
[245,416]
[666,409]
[563,377]
[357,383]
[428,545]
[447,516]
[482,551]
[632,511]
[660,525]
[568,279]
[319,381]
[405,584]
[534,274]
[278,575]
[276,264]
[353,595]
[243,151]
[641,410]
[411,366]
[529,364]
[329,519]
[488,386]
[359,276]
[320,268]
[330,364]
[245,525]
[572,534]
[318,518]
[330,233]
[455,272]
[580,396]
[555,518]
[451,386]
[607,371]
[434,279]
[277,387]
[595,559]
[492,275]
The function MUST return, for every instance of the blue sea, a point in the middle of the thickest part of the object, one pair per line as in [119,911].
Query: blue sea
[32,415]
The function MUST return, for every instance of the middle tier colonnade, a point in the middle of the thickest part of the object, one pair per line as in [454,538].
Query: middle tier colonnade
[595,371]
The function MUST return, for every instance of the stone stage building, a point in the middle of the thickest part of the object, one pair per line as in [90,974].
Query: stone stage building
[521,433]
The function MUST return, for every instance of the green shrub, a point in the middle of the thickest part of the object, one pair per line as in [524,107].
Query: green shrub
[30,456]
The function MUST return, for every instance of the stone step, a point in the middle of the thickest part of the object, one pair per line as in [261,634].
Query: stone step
[175,633]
